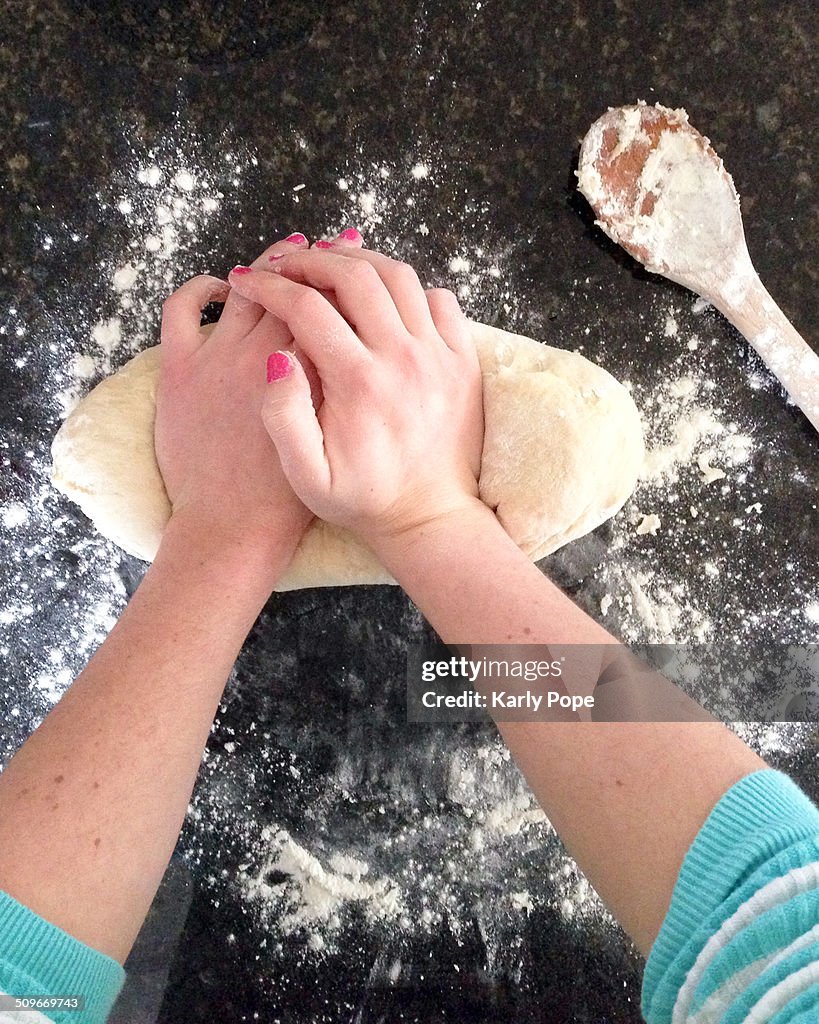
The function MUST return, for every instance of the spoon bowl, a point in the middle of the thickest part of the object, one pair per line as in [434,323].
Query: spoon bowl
[661,192]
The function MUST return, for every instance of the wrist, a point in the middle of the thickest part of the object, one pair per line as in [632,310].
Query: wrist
[261,548]
[399,550]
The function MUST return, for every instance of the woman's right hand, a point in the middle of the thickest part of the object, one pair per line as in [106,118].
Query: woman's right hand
[396,443]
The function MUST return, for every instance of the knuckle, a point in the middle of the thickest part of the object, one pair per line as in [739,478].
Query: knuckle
[307,303]
[424,365]
[202,284]
[403,271]
[367,385]
[362,272]
[444,297]
[278,418]
[172,300]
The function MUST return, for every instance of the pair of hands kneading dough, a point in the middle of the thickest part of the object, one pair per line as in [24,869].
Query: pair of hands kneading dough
[563,446]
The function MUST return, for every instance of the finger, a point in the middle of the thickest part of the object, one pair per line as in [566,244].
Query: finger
[402,283]
[450,321]
[313,379]
[290,419]
[182,314]
[317,328]
[239,316]
[270,333]
[273,333]
[349,238]
[398,278]
[362,296]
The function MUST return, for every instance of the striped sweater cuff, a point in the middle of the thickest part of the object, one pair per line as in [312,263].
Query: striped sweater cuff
[757,818]
[37,958]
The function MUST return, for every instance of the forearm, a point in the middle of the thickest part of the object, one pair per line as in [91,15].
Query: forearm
[92,804]
[626,798]
[476,586]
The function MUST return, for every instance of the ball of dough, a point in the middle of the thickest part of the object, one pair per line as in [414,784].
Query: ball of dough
[562,451]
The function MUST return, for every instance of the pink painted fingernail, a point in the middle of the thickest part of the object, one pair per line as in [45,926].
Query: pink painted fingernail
[297,238]
[278,366]
[350,235]
[276,256]
[239,269]
[321,244]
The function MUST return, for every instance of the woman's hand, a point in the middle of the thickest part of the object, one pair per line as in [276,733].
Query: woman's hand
[397,442]
[220,468]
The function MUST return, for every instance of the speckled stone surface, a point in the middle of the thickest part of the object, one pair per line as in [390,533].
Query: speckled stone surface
[496,97]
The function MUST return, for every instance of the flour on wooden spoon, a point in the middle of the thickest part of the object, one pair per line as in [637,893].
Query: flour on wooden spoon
[660,191]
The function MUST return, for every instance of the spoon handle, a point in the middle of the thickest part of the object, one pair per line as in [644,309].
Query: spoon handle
[784,350]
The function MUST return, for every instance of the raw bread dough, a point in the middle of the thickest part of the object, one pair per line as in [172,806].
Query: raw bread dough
[562,451]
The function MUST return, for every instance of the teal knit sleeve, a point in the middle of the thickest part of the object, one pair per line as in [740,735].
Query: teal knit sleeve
[741,932]
[37,958]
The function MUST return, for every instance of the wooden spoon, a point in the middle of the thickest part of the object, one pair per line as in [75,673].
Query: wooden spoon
[660,191]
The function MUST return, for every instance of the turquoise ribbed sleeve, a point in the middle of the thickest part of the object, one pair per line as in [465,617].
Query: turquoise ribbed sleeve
[761,829]
[37,958]
[803,1010]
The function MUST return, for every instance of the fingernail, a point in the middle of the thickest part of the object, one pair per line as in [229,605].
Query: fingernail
[297,238]
[239,269]
[350,235]
[321,244]
[276,256]
[278,366]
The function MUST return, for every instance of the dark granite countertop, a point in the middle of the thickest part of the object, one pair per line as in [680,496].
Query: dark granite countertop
[312,741]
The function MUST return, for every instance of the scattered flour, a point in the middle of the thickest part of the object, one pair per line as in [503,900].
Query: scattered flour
[700,480]
[393,207]
[14,515]
[166,205]
[648,524]
[522,901]
[107,334]
[124,277]
[459,265]
[485,855]
[413,876]
[298,892]
[711,473]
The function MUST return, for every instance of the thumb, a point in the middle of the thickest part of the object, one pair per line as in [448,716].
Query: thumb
[290,420]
